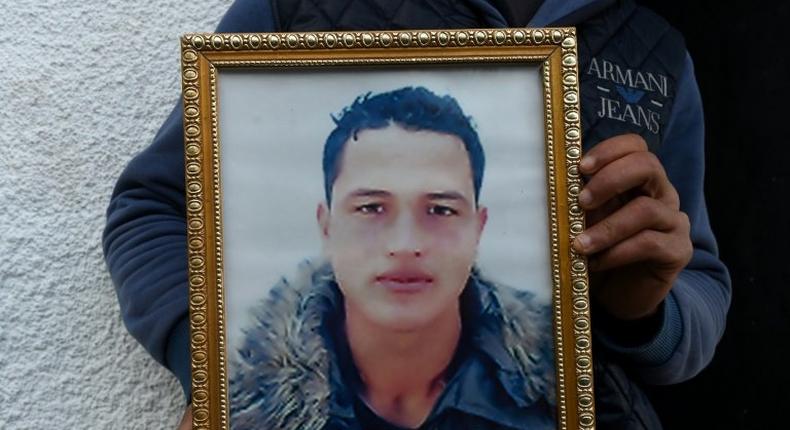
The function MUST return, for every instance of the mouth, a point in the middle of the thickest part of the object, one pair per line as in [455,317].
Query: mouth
[405,281]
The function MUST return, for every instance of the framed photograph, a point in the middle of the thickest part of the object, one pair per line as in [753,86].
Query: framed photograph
[380,228]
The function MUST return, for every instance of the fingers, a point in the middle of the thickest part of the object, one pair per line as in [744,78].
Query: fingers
[621,168]
[633,210]
[664,250]
[641,213]
[639,173]
[609,150]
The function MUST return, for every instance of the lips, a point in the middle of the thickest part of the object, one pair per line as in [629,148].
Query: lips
[405,280]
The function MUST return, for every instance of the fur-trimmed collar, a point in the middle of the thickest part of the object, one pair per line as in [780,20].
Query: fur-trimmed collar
[281,377]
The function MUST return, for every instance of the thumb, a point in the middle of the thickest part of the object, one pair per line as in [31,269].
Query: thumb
[186,420]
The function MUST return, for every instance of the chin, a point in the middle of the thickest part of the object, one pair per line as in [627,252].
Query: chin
[404,320]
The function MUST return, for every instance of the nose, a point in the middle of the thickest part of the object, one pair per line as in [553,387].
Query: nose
[405,238]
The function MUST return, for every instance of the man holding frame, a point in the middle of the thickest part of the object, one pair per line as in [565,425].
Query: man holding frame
[660,290]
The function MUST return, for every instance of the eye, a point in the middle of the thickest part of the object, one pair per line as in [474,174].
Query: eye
[441,210]
[370,208]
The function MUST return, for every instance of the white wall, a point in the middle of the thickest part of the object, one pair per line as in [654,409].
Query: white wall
[84,85]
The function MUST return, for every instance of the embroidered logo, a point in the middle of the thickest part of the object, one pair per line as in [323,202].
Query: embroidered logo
[642,94]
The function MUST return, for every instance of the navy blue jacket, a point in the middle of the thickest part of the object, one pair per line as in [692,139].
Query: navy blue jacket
[635,82]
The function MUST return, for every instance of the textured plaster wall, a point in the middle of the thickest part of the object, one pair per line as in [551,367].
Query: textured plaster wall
[84,85]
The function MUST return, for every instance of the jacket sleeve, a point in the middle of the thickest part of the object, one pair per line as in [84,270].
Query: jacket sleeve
[693,316]
[144,239]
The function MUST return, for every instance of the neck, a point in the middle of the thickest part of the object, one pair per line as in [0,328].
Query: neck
[403,372]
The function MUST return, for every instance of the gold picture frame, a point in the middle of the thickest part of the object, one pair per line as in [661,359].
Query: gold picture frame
[550,53]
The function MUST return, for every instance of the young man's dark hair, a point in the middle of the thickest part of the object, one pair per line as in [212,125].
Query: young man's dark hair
[412,109]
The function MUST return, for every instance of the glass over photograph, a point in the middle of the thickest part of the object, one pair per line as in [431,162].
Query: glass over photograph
[386,248]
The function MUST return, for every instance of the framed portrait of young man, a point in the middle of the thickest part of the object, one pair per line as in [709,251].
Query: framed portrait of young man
[380,228]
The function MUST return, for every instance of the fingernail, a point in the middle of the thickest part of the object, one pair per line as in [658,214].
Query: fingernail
[587,163]
[582,241]
[585,197]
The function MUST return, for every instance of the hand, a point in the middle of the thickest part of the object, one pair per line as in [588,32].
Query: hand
[637,239]
[186,421]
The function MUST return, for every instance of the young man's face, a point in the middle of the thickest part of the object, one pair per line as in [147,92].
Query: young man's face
[403,229]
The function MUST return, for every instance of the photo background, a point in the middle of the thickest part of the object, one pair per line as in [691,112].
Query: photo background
[272,127]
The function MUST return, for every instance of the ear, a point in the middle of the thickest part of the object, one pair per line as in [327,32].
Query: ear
[482,219]
[322,216]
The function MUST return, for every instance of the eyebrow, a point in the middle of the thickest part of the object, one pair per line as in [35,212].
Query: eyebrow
[438,195]
[447,195]
[368,192]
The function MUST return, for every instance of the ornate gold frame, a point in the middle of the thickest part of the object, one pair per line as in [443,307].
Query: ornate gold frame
[551,49]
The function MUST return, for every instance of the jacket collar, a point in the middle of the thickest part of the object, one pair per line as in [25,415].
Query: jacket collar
[550,13]
[567,12]
[286,367]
